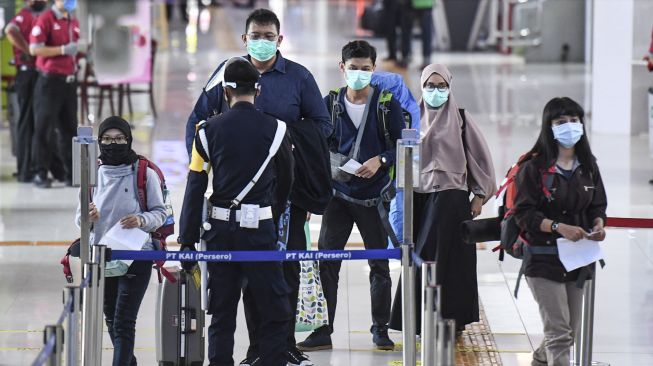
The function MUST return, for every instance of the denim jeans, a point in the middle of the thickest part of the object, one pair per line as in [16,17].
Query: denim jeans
[122,299]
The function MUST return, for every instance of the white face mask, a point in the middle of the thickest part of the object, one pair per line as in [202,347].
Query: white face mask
[568,134]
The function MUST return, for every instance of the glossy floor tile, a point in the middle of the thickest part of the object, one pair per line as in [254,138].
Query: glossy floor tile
[503,93]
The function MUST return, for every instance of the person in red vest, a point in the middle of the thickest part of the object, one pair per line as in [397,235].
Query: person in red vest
[17,32]
[53,41]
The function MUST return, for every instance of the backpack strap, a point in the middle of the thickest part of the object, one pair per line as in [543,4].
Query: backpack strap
[547,182]
[382,116]
[276,143]
[334,105]
[141,182]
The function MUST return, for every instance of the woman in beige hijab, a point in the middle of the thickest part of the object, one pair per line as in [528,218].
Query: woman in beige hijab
[455,163]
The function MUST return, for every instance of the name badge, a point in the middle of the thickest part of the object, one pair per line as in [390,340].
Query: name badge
[249,216]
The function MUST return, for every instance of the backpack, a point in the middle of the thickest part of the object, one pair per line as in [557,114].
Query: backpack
[158,236]
[512,240]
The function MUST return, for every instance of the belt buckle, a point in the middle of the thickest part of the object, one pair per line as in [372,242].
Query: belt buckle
[70,79]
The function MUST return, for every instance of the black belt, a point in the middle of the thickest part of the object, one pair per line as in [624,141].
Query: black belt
[69,79]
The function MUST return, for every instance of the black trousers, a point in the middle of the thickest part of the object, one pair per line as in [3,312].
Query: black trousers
[425,17]
[24,86]
[265,284]
[296,241]
[337,224]
[392,15]
[55,124]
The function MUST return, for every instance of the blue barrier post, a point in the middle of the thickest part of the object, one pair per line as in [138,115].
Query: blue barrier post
[88,314]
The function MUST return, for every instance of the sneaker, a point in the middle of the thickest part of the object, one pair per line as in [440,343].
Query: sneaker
[42,182]
[295,357]
[317,341]
[381,339]
[252,361]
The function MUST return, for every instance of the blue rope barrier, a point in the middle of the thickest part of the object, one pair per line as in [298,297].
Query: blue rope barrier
[66,311]
[417,259]
[45,353]
[256,256]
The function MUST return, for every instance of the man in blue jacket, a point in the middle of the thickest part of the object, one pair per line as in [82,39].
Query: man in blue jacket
[367,123]
[288,92]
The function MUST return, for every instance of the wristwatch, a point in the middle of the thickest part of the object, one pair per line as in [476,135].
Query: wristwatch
[554,227]
[384,160]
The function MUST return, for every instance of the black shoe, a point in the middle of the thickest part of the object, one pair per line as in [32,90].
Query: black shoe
[252,361]
[41,182]
[381,339]
[295,357]
[316,341]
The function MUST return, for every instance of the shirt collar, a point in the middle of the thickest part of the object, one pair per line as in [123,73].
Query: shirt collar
[243,105]
[57,13]
[279,63]
[573,167]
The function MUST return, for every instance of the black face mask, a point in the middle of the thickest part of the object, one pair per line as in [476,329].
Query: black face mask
[38,6]
[116,154]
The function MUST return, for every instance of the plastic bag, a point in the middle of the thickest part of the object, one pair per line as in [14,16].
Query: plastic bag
[312,310]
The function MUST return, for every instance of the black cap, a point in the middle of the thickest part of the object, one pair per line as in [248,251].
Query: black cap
[240,71]
[117,123]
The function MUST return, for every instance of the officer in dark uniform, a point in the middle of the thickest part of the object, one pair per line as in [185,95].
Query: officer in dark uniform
[53,41]
[236,145]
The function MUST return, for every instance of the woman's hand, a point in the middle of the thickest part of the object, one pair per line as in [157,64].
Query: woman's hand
[477,206]
[93,213]
[598,233]
[573,233]
[130,222]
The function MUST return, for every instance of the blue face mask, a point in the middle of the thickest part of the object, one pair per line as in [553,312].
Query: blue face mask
[568,134]
[70,5]
[435,98]
[358,79]
[262,49]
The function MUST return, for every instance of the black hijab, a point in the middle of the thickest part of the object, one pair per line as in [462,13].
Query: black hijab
[117,154]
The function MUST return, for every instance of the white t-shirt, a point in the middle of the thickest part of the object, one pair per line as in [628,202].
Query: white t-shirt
[355,112]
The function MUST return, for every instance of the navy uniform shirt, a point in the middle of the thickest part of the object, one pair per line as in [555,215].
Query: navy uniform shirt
[372,144]
[238,142]
[288,92]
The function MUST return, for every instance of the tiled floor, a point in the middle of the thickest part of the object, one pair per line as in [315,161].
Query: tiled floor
[505,96]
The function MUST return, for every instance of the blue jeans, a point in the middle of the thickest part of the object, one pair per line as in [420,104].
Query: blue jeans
[122,299]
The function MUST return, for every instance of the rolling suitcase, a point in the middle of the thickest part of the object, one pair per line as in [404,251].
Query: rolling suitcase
[180,321]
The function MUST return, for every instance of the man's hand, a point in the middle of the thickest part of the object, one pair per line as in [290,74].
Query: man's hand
[130,222]
[188,266]
[573,233]
[477,206]
[369,168]
[93,213]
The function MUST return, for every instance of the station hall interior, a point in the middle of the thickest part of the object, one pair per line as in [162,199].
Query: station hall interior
[508,59]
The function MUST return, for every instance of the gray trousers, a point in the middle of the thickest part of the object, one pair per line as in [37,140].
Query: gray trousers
[560,309]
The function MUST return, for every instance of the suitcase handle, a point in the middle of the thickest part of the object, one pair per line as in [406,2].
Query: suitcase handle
[191,324]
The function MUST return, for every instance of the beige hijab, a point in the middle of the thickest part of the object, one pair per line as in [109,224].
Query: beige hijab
[444,162]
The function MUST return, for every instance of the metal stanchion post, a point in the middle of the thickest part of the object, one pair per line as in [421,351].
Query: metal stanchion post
[85,176]
[428,314]
[449,354]
[72,333]
[99,256]
[408,271]
[88,314]
[438,327]
[584,338]
[57,352]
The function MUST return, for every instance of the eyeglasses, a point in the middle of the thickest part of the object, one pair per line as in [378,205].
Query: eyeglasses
[120,140]
[443,87]
[267,36]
